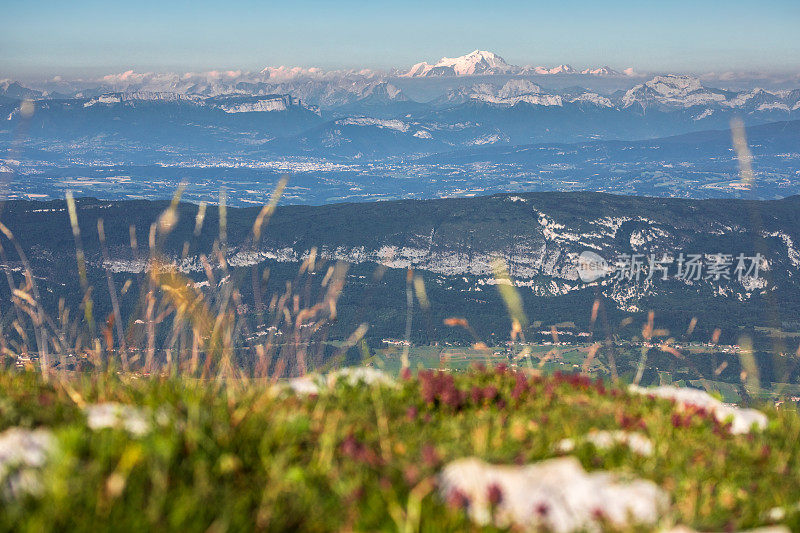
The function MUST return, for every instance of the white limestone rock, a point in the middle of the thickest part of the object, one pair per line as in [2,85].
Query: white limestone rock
[742,419]
[556,495]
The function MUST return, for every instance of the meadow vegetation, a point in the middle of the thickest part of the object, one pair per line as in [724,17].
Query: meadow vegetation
[241,455]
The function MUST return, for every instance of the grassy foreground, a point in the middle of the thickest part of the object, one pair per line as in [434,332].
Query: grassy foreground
[233,456]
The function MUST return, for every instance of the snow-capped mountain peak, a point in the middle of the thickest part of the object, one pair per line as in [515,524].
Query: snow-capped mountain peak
[514,92]
[672,90]
[518,87]
[601,71]
[543,71]
[477,62]
[562,69]
[673,85]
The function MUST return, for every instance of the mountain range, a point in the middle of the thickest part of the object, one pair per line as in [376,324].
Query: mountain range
[460,126]
[481,62]
[664,105]
[326,118]
[211,83]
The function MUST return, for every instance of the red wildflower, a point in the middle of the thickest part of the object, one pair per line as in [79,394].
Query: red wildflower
[457,499]
[494,494]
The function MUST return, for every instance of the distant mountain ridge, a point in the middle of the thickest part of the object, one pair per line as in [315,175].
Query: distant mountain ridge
[367,135]
[480,82]
[451,244]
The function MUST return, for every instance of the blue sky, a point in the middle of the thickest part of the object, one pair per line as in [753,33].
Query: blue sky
[87,37]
